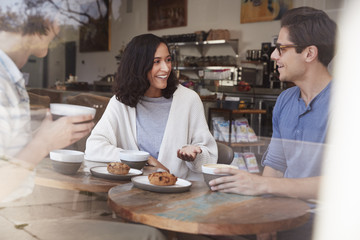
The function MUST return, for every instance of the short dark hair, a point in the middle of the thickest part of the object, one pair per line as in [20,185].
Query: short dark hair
[309,26]
[131,81]
[27,17]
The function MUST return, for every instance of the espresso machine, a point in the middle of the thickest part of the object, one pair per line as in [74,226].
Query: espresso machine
[269,65]
[271,74]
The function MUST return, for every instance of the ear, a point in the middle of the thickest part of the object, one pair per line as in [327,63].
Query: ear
[311,53]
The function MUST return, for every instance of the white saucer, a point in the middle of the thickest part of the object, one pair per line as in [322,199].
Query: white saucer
[102,172]
[142,182]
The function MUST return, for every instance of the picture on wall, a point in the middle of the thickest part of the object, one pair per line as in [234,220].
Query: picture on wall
[166,14]
[95,32]
[263,10]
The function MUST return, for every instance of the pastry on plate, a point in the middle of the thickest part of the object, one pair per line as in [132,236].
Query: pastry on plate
[118,168]
[162,179]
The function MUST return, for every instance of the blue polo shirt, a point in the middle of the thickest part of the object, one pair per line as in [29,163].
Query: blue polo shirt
[299,134]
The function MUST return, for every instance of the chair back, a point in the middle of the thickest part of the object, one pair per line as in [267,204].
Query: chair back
[55,96]
[90,100]
[38,101]
[225,153]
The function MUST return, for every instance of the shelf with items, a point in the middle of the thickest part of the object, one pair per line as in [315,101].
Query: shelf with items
[230,113]
[239,111]
[233,43]
[222,68]
[204,68]
[226,75]
[236,132]
[246,144]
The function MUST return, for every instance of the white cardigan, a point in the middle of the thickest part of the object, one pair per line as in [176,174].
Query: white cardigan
[186,125]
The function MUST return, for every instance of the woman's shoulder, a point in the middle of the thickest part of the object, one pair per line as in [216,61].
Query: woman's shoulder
[113,99]
[186,92]
[115,103]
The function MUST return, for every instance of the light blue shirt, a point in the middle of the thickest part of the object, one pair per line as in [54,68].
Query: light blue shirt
[151,118]
[15,122]
[299,134]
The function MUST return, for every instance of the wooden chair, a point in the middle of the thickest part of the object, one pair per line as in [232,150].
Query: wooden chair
[55,97]
[38,101]
[225,153]
[88,100]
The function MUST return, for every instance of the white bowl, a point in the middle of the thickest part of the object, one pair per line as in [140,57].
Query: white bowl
[134,155]
[64,155]
[66,161]
[208,171]
[210,167]
[62,109]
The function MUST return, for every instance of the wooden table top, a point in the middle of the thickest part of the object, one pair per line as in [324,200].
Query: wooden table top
[200,211]
[82,181]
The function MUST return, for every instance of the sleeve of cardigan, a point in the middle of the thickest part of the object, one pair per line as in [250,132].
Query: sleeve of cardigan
[102,144]
[200,136]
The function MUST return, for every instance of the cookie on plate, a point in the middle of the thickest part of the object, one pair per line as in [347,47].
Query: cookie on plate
[118,168]
[162,179]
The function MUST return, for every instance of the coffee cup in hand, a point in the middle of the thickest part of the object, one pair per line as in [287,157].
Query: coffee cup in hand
[208,171]
[58,110]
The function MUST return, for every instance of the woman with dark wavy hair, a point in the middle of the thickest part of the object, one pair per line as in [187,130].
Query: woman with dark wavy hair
[132,76]
[151,112]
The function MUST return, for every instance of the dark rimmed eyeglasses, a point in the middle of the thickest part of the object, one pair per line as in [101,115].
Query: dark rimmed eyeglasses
[281,47]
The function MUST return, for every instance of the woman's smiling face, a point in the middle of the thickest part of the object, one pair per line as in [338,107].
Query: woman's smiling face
[160,71]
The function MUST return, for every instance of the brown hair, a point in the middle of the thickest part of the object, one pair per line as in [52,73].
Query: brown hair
[30,21]
[309,26]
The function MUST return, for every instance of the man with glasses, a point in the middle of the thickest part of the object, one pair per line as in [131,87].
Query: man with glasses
[292,165]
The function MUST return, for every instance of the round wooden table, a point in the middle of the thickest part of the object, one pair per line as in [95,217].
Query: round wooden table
[201,211]
[82,181]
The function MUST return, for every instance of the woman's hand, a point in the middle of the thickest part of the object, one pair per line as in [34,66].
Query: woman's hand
[188,153]
[154,162]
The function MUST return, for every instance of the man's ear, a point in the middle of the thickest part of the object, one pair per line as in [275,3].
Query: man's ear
[311,53]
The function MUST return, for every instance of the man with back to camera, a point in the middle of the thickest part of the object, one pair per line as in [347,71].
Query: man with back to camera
[23,35]
[292,165]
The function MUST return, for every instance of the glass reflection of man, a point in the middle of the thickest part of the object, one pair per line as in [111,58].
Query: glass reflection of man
[23,34]
[304,49]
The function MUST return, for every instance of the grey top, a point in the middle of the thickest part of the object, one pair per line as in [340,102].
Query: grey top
[151,118]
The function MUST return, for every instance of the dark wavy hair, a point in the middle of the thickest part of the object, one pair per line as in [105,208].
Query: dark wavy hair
[309,26]
[131,81]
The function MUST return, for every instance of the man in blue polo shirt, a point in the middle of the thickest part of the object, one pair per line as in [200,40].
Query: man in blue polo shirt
[292,165]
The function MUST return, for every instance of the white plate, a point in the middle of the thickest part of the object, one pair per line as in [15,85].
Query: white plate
[102,172]
[142,182]
[90,163]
